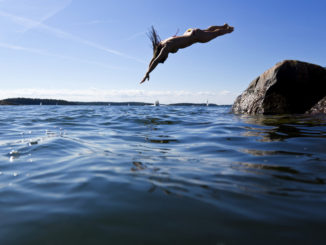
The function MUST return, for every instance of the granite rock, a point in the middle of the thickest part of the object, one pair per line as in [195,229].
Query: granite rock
[319,108]
[289,87]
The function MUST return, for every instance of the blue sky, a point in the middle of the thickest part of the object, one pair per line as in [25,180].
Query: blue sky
[97,50]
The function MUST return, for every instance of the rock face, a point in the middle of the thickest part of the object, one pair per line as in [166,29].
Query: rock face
[288,87]
[319,108]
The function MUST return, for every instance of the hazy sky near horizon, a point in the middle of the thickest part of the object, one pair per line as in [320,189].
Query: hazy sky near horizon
[97,50]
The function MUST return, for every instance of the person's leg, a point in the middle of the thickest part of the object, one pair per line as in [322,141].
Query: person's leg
[206,36]
[214,28]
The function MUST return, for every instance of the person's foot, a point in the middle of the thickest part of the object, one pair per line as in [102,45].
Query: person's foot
[230,29]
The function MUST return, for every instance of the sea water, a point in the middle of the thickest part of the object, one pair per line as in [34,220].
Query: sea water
[160,175]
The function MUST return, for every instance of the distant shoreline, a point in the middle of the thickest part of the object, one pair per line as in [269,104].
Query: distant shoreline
[36,101]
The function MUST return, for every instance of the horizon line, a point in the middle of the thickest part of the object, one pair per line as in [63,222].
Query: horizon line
[106,102]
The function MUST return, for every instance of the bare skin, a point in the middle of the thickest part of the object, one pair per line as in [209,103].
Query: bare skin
[191,36]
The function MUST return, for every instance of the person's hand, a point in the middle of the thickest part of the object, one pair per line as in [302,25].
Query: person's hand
[145,77]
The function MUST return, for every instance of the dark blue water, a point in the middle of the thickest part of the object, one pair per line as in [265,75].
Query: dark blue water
[160,175]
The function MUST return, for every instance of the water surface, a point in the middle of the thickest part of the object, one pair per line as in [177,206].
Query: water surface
[160,175]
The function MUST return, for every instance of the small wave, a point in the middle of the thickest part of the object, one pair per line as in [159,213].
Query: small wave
[205,166]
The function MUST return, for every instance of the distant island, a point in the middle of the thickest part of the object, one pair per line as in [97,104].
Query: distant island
[31,101]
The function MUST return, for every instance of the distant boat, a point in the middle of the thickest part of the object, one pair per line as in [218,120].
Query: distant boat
[157,103]
[207,103]
[40,103]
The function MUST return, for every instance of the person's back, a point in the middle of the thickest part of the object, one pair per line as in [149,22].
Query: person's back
[173,44]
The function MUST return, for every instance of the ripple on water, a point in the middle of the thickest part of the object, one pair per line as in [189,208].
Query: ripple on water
[121,169]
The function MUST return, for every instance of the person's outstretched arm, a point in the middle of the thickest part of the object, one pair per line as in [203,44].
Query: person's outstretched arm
[162,56]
